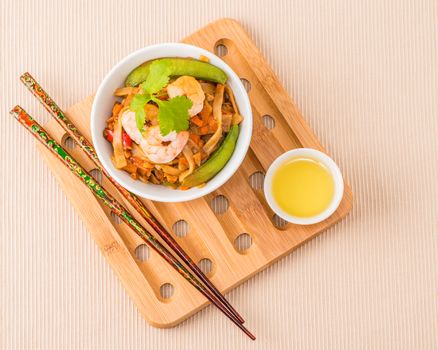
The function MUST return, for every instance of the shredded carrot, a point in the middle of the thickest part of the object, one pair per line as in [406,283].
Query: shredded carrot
[184,188]
[204,130]
[116,109]
[182,164]
[195,138]
[195,120]
[210,121]
[184,161]
[204,58]
[141,163]
[206,111]
[212,124]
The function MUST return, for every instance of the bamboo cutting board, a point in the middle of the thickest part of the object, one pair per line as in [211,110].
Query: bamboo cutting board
[231,233]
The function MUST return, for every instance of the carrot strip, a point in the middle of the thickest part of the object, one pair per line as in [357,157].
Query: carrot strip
[204,130]
[184,161]
[212,124]
[182,164]
[195,138]
[195,120]
[116,109]
[206,111]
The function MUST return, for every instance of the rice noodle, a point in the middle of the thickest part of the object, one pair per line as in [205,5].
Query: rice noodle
[154,180]
[226,121]
[119,153]
[124,91]
[189,156]
[208,88]
[232,99]
[138,152]
[197,158]
[217,114]
[167,169]
[193,145]
[237,118]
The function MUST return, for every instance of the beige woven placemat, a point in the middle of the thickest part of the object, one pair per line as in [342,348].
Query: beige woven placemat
[365,75]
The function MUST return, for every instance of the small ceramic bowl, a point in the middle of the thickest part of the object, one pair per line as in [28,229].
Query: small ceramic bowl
[315,155]
[104,101]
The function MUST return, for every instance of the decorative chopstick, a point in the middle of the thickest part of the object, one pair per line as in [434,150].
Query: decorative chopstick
[88,148]
[100,192]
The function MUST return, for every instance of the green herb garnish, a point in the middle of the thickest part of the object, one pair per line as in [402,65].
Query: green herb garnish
[138,104]
[173,114]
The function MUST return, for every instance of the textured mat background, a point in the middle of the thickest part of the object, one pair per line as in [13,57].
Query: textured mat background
[365,76]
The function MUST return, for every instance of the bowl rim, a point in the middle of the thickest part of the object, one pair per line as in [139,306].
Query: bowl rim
[238,154]
[312,154]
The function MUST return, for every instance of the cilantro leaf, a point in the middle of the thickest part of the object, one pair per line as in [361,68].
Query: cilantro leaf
[138,104]
[173,115]
[158,76]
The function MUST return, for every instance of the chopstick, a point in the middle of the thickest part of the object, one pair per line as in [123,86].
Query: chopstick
[100,192]
[88,148]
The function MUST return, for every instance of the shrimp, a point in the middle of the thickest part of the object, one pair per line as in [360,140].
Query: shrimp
[130,126]
[190,87]
[163,149]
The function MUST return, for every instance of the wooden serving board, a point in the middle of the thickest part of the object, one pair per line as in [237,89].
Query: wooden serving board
[216,234]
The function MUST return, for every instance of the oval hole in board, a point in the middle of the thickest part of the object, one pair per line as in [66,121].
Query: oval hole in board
[243,242]
[142,252]
[97,174]
[206,265]
[268,122]
[220,49]
[68,142]
[256,180]
[279,222]
[167,290]
[246,84]
[115,218]
[181,228]
[219,204]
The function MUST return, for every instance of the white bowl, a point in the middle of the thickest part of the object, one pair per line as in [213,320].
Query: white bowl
[315,155]
[104,101]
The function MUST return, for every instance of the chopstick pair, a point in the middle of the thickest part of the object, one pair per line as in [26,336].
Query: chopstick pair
[211,292]
[88,148]
[100,192]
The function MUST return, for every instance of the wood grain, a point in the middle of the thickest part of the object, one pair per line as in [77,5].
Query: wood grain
[210,235]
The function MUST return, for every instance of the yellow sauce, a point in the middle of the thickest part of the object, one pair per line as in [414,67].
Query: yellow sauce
[302,187]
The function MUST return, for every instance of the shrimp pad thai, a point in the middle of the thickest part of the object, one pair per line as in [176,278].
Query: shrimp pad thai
[176,123]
